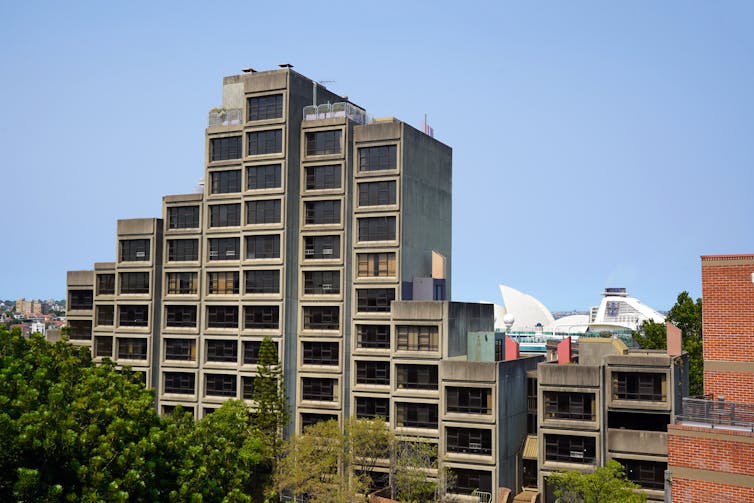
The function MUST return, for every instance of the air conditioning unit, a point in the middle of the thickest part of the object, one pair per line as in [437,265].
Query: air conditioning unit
[141,254]
[213,253]
[326,251]
[475,446]
[308,252]
[326,287]
[230,253]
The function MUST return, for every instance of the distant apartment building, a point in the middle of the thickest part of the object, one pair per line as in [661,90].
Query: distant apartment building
[24,306]
[712,444]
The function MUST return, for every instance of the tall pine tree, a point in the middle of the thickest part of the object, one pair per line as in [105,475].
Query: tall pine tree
[269,394]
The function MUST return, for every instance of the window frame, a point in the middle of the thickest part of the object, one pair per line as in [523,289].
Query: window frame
[273,142]
[228,181]
[271,174]
[265,111]
[323,142]
[179,218]
[228,151]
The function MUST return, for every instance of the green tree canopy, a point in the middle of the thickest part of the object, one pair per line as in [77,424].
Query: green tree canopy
[608,484]
[686,314]
[74,431]
[330,463]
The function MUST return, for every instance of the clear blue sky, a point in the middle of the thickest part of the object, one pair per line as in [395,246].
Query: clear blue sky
[595,143]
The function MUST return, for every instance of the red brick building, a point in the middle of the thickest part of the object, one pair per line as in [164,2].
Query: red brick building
[710,450]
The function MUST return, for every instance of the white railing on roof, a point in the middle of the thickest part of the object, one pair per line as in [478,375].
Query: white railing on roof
[225,116]
[340,109]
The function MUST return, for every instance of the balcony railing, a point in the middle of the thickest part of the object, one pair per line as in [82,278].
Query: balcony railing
[340,109]
[225,117]
[717,413]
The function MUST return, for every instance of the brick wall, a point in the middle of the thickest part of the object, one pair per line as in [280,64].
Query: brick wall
[713,454]
[732,386]
[728,318]
[697,491]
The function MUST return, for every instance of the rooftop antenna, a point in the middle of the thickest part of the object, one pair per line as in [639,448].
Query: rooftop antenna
[314,89]
[427,129]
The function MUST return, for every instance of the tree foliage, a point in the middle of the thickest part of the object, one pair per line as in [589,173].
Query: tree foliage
[316,463]
[608,484]
[686,314]
[413,469]
[330,463]
[74,431]
[271,414]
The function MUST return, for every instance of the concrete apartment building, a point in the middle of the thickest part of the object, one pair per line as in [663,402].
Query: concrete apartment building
[613,403]
[712,443]
[329,232]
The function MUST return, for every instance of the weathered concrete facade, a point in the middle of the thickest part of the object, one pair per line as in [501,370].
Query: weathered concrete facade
[614,403]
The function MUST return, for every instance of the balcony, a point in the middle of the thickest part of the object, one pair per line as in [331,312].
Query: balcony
[225,117]
[717,414]
[340,109]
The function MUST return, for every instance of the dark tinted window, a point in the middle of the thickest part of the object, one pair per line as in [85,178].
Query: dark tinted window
[323,177]
[179,382]
[263,281]
[262,317]
[321,282]
[375,300]
[223,182]
[377,229]
[180,349]
[134,282]
[222,351]
[80,299]
[376,193]
[183,217]
[263,212]
[180,316]
[377,158]
[323,142]
[313,388]
[373,336]
[321,247]
[224,249]
[266,142]
[265,107]
[134,250]
[220,384]
[322,212]
[321,317]
[222,316]
[267,176]
[133,316]
[105,284]
[263,246]
[320,353]
[105,315]
[373,372]
[369,407]
[224,215]
[222,149]
[180,250]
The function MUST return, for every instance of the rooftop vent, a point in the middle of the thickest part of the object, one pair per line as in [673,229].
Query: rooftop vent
[285,65]
[248,70]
